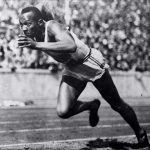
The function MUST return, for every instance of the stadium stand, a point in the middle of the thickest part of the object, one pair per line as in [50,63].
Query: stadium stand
[119,28]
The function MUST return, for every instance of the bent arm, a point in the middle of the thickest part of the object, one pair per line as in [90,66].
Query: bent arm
[64,42]
[61,46]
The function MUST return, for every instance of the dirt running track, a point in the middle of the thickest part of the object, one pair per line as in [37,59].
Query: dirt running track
[32,128]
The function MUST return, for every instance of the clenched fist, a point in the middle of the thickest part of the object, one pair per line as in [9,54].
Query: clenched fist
[24,41]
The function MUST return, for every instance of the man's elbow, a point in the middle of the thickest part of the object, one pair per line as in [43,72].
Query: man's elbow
[73,47]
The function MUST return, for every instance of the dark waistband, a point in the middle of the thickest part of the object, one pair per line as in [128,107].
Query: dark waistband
[87,56]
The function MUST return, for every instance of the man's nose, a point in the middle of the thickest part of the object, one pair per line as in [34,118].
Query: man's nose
[24,28]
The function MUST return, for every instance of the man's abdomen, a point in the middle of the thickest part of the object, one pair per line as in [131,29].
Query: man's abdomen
[90,70]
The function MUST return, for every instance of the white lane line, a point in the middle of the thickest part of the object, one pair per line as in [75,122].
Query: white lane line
[67,128]
[48,143]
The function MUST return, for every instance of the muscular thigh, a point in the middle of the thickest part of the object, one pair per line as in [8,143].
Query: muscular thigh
[69,91]
[107,89]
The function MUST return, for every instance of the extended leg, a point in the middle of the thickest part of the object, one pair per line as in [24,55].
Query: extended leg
[109,92]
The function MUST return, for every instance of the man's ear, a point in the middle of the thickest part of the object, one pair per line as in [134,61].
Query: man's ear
[40,22]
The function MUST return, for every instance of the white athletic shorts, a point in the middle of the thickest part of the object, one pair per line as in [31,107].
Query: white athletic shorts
[92,68]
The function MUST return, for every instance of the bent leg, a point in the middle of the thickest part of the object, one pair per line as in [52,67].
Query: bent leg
[109,92]
[69,91]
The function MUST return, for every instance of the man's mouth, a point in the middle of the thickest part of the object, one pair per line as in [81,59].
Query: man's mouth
[28,34]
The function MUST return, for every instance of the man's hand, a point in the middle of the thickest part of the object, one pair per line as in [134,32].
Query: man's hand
[24,41]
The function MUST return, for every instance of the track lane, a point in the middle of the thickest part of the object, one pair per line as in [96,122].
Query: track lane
[33,125]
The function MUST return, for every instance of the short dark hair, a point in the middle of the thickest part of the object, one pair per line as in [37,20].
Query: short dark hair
[36,12]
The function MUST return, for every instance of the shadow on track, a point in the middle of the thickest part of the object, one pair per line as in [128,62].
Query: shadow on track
[111,143]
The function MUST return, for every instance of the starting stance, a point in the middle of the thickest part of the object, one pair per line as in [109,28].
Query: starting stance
[81,65]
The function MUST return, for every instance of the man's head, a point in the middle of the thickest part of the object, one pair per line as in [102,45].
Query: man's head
[31,21]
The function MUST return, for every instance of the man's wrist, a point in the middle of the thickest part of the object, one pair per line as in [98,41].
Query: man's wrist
[37,45]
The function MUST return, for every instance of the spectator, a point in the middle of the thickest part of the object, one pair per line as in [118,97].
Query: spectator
[120,29]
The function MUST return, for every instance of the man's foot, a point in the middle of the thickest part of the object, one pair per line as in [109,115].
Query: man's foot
[94,118]
[143,140]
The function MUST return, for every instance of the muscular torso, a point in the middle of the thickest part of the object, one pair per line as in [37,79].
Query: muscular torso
[81,51]
[60,57]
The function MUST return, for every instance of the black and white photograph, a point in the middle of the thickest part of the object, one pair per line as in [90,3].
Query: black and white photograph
[74,74]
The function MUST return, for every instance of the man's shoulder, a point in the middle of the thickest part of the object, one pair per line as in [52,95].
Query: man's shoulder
[54,25]
[51,22]
[51,25]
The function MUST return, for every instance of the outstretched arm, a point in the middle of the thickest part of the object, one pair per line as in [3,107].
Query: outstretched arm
[64,42]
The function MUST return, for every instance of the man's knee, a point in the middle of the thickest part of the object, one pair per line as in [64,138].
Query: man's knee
[116,107]
[63,112]
[121,106]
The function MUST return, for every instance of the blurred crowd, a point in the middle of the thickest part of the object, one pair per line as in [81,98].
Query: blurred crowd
[118,28]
